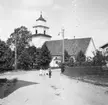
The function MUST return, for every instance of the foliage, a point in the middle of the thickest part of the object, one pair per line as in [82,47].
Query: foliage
[25,61]
[99,59]
[80,57]
[6,57]
[70,62]
[44,58]
[22,37]
[32,53]
[66,56]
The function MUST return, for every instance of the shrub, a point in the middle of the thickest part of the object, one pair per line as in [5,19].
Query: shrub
[99,59]
[70,62]
[80,58]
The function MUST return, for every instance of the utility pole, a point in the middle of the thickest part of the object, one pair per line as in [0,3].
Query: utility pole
[15,51]
[63,43]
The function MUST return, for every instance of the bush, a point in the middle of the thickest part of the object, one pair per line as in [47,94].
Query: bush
[70,62]
[99,59]
[80,58]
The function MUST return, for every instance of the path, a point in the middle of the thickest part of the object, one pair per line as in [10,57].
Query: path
[59,90]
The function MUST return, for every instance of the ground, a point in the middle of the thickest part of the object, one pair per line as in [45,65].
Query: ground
[33,89]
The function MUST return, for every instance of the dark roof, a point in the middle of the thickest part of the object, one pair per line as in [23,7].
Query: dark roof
[72,46]
[43,35]
[41,26]
[105,45]
[41,18]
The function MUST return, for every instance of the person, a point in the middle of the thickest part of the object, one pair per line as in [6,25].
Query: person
[50,73]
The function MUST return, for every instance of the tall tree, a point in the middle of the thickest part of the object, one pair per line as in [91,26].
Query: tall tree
[22,37]
[44,57]
[25,61]
[6,56]
[66,56]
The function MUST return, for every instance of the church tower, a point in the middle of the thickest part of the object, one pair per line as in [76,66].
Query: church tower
[41,32]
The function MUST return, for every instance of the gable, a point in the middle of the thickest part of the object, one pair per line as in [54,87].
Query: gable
[90,50]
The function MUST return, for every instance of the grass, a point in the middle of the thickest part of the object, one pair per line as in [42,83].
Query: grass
[89,75]
[93,79]
[6,85]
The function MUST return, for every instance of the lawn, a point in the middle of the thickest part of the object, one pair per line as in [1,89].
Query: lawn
[89,75]
[6,86]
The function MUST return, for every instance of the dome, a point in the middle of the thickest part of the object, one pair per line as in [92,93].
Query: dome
[41,18]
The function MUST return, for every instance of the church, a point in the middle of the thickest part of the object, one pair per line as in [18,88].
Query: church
[72,46]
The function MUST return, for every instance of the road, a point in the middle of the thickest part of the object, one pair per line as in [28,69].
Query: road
[58,90]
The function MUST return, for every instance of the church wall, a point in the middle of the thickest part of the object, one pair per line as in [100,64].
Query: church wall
[90,50]
[39,41]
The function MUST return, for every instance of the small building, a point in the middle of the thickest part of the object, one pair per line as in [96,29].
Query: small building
[72,46]
[104,49]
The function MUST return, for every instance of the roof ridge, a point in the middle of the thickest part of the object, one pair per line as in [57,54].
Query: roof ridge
[69,39]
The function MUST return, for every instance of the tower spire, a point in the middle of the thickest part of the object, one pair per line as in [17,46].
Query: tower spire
[41,13]
[41,17]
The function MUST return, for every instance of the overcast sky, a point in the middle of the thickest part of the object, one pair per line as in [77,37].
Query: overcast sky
[80,18]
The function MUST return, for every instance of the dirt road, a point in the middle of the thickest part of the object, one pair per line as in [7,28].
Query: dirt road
[58,90]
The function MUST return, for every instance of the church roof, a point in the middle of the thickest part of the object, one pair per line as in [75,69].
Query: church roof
[43,35]
[72,46]
[41,18]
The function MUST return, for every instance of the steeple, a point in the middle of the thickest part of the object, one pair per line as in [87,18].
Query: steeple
[41,18]
[40,34]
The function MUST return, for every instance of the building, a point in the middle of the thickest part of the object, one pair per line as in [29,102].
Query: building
[72,46]
[104,49]
[41,32]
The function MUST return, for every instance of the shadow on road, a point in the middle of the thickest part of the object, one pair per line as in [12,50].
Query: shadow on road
[8,89]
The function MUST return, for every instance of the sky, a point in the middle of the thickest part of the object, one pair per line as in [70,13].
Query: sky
[80,18]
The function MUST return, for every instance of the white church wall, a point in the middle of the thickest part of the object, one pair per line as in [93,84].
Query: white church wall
[55,61]
[90,50]
[40,30]
[41,22]
[39,41]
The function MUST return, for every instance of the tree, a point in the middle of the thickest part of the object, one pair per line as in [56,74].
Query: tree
[44,58]
[22,37]
[66,56]
[80,57]
[32,52]
[6,56]
[25,61]
[99,59]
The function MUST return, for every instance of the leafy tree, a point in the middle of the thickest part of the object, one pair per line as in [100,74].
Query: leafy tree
[80,57]
[66,56]
[22,37]
[35,56]
[6,56]
[25,61]
[99,59]
[44,58]
[32,52]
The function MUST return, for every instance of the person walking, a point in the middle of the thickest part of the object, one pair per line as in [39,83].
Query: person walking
[50,73]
